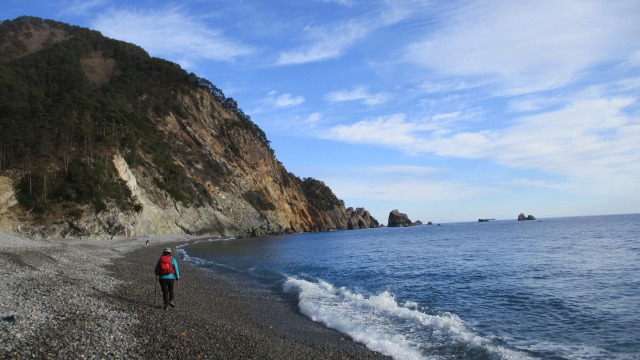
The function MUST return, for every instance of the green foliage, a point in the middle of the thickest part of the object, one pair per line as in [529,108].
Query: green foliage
[287,178]
[232,105]
[75,213]
[58,127]
[258,200]
[31,193]
[82,183]
[173,180]
[320,195]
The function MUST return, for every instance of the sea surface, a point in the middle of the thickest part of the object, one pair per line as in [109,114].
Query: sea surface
[557,288]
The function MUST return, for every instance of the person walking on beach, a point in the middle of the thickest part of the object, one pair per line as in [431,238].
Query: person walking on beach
[168,272]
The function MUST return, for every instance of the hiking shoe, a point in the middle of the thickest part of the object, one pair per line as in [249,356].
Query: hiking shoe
[172,303]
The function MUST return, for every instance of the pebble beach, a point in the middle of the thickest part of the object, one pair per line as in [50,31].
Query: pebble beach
[65,298]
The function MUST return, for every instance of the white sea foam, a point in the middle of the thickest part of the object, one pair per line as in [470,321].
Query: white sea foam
[196,260]
[205,263]
[402,332]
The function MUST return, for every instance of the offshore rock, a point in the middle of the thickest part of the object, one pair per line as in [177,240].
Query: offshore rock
[398,219]
[522,217]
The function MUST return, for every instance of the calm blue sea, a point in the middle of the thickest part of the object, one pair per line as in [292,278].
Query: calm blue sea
[559,288]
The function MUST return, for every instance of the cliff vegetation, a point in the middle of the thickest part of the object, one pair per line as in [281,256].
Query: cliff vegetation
[99,139]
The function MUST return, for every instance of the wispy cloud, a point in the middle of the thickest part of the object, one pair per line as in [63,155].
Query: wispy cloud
[392,171]
[340,2]
[432,87]
[333,40]
[400,184]
[396,131]
[393,131]
[171,34]
[593,141]
[529,46]
[325,43]
[313,118]
[634,59]
[284,100]
[358,93]
[531,103]
[542,184]
[83,7]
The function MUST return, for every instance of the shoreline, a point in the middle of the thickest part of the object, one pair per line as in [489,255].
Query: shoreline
[100,298]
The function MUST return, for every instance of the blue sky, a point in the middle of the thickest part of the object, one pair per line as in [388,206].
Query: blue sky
[444,110]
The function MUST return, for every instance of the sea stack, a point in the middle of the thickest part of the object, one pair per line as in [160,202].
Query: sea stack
[398,219]
[521,217]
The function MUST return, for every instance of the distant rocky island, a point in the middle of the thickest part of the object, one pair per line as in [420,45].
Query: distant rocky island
[398,219]
[522,217]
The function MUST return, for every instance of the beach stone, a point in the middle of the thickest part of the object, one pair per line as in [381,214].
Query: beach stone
[100,299]
[9,317]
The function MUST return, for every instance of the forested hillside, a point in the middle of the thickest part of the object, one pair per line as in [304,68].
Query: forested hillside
[73,102]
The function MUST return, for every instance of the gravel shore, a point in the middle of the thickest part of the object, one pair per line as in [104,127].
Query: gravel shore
[99,299]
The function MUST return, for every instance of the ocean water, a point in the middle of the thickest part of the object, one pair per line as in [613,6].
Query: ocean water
[558,288]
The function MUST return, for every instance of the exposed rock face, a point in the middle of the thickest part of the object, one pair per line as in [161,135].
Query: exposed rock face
[7,200]
[522,217]
[361,219]
[231,183]
[398,219]
[40,35]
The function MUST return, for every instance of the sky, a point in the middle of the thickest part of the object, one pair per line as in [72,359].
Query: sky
[444,110]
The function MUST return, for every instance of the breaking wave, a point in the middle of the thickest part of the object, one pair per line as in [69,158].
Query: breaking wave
[400,331]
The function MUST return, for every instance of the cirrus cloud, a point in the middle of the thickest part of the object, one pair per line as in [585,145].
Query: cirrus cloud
[530,45]
[284,100]
[171,34]
[592,141]
[358,93]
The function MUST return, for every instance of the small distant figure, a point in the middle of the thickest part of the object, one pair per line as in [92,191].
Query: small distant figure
[168,272]
[147,243]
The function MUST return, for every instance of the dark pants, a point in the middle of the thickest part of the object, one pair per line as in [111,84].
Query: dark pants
[167,290]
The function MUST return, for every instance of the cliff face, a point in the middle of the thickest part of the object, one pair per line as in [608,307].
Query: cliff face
[111,142]
[360,218]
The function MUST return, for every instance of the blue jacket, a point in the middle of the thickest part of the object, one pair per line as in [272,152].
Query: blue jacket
[175,267]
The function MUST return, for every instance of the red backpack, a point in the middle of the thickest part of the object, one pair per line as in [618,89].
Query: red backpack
[165,267]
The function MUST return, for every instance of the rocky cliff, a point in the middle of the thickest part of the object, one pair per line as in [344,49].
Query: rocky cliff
[98,139]
[360,218]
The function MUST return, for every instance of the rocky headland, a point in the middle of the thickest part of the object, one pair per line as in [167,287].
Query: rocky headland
[100,140]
